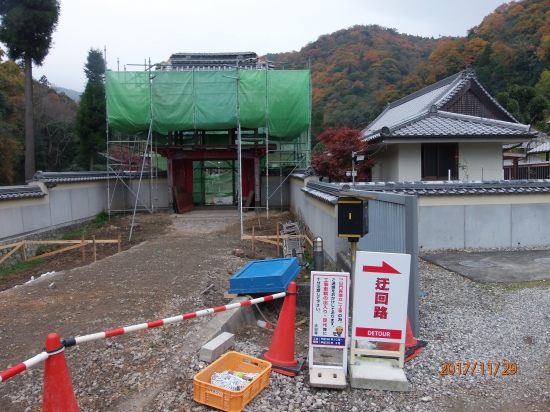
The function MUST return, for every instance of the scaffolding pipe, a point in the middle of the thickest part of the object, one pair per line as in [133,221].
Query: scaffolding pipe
[266,147]
[109,200]
[240,194]
[141,177]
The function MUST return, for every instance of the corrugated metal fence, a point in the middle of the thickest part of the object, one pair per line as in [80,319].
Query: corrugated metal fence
[393,228]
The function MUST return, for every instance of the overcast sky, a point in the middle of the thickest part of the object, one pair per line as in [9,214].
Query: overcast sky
[135,30]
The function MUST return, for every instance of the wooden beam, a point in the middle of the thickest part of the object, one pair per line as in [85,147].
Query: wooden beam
[55,252]
[83,250]
[11,252]
[23,251]
[10,245]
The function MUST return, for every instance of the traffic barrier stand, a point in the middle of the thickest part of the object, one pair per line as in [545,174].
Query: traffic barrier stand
[413,347]
[281,350]
[44,355]
[58,394]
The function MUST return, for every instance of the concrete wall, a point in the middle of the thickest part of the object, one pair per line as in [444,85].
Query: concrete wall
[70,203]
[483,221]
[478,156]
[320,217]
[275,191]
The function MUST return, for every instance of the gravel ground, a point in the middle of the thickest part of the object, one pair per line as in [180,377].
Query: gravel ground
[463,321]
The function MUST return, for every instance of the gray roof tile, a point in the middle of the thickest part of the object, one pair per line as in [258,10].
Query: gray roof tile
[328,191]
[20,192]
[402,116]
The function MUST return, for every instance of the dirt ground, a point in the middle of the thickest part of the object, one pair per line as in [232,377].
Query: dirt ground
[161,273]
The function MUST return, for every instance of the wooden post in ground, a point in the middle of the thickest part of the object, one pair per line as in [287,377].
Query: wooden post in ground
[119,245]
[93,243]
[278,248]
[23,251]
[307,243]
[83,249]
[252,238]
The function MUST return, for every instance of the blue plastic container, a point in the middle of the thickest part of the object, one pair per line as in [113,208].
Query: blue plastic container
[260,276]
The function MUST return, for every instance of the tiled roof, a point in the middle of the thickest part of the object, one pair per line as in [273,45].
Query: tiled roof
[399,118]
[542,148]
[327,191]
[454,125]
[20,192]
[65,177]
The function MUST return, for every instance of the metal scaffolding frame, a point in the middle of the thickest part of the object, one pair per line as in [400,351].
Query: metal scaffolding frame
[123,171]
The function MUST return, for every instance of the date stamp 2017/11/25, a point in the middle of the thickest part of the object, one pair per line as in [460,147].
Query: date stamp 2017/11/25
[483,368]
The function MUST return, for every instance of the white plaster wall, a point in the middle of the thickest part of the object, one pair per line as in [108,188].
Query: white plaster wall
[410,162]
[480,155]
[397,163]
[386,167]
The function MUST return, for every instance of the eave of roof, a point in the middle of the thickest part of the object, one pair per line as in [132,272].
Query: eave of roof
[328,192]
[20,192]
[431,99]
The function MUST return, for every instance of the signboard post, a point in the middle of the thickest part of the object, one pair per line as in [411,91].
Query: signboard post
[329,327]
[380,296]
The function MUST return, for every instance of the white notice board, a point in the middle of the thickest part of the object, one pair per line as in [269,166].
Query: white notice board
[380,296]
[329,309]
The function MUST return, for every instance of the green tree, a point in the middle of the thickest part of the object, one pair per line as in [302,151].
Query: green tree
[26,29]
[525,104]
[90,116]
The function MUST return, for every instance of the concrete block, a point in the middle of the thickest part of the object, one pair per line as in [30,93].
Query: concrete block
[36,217]
[334,378]
[487,226]
[440,227]
[60,206]
[80,208]
[376,373]
[216,347]
[11,222]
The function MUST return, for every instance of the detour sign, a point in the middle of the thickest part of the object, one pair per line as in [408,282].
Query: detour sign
[380,296]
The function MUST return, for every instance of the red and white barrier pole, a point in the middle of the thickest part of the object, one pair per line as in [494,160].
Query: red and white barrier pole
[41,357]
[134,328]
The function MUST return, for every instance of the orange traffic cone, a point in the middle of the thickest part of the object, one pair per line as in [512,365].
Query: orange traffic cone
[412,346]
[58,394]
[281,349]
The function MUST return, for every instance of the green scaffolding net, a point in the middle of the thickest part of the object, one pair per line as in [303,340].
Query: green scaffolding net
[208,100]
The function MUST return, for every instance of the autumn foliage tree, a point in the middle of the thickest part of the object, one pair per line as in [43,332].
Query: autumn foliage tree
[332,155]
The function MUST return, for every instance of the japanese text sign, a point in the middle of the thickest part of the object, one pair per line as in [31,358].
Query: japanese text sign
[329,309]
[380,296]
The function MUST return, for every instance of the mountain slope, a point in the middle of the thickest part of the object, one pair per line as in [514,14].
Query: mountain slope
[357,71]
[73,94]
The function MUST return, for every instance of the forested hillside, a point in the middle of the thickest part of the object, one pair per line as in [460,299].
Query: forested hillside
[54,115]
[356,71]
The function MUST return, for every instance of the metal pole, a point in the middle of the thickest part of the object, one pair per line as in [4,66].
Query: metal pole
[107,136]
[308,145]
[150,148]
[240,194]
[280,174]
[353,247]
[353,168]
[266,147]
[318,255]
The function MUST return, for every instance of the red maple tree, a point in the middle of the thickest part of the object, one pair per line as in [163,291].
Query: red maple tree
[332,156]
